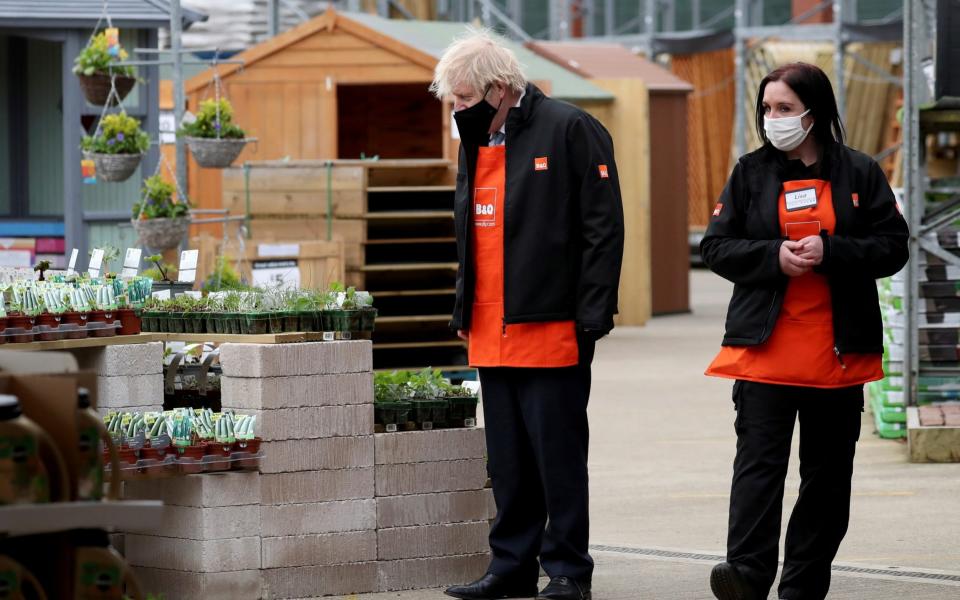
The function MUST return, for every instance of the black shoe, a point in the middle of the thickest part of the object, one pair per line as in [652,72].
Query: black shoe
[727,583]
[492,587]
[564,588]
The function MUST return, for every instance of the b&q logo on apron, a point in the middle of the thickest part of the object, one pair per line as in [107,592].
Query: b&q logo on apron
[540,163]
[485,207]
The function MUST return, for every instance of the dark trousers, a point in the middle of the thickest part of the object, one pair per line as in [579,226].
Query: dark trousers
[537,439]
[829,430]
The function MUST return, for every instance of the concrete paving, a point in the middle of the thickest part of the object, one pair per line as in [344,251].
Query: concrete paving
[662,447]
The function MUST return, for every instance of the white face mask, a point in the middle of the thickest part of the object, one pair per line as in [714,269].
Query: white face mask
[786,133]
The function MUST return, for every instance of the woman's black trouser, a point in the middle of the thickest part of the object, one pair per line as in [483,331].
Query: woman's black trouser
[537,439]
[829,430]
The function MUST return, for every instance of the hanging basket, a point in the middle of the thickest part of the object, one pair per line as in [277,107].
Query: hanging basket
[96,88]
[213,153]
[114,167]
[161,234]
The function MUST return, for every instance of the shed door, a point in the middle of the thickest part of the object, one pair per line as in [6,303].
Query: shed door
[391,121]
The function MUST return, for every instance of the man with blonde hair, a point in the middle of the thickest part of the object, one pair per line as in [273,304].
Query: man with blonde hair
[539,225]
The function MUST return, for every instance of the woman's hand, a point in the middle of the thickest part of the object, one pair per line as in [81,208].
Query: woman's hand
[811,249]
[463,335]
[791,264]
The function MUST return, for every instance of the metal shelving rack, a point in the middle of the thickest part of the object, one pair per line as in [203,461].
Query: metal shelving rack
[923,114]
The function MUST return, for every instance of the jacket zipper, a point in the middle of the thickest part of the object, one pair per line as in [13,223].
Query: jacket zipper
[839,357]
[503,266]
[769,310]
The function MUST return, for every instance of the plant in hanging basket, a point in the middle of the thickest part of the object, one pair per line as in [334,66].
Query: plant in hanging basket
[117,147]
[94,66]
[160,220]
[213,138]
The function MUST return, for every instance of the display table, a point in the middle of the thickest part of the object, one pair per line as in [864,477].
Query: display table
[334,508]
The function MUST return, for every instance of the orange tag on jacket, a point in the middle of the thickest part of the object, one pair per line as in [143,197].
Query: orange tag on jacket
[604,174]
[716,211]
[856,200]
[540,163]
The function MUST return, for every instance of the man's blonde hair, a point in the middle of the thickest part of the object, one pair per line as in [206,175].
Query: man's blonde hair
[477,59]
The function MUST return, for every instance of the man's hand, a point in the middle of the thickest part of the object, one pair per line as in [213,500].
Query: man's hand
[791,264]
[463,335]
[811,248]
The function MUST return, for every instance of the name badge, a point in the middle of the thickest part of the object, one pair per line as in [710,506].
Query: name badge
[800,199]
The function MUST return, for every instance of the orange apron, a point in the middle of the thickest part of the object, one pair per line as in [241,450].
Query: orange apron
[493,343]
[800,350]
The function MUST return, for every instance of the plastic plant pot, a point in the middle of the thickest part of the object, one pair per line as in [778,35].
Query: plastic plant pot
[367,317]
[190,458]
[351,320]
[463,411]
[327,320]
[276,322]
[291,321]
[429,413]
[308,321]
[212,324]
[337,320]
[48,328]
[21,328]
[249,448]
[234,322]
[127,455]
[175,322]
[76,323]
[391,414]
[3,326]
[130,322]
[193,322]
[257,323]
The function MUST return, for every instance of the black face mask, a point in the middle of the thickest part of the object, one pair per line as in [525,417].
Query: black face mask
[474,123]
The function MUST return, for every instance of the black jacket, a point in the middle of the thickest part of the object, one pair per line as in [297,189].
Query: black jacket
[563,226]
[743,241]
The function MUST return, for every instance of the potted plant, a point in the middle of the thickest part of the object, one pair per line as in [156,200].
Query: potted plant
[163,276]
[76,315]
[20,321]
[428,405]
[41,267]
[105,304]
[116,147]
[3,322]
[189,447]
[95,66]
[127,315]
[368,313]
[214,140]
[48,322]
[462,406]
[247,443]
[160,221]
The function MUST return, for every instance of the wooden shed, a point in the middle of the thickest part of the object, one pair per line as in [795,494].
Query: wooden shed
[636,82]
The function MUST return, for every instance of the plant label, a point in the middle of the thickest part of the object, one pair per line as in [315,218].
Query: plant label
[329,336]
[283,274]
[113,41]
[72,265]
[274,250]
[161,295]
[96,261]
[131,263]
[193,294]
[188,266]
[89,171]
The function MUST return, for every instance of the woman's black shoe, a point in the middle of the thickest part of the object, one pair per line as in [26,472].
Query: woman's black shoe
[492,587]
[727,583]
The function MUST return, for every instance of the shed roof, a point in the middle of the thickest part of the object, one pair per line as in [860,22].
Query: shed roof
[422,42]
[609,61]
[72,14]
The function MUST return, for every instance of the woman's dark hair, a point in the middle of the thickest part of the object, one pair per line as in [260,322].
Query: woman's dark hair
[813,87]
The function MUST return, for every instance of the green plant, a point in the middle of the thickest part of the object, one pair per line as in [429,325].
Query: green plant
[157,202]
[43,265]
[213,118]
[162,271]
[96,58]
[119,134]
[110,254]
[224,277]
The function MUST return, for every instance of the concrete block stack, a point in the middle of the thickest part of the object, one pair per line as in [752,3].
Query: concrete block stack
[318,513]
[208,546]
[129,376]
[432,509]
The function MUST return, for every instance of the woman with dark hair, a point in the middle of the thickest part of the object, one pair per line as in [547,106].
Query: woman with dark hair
[803,228]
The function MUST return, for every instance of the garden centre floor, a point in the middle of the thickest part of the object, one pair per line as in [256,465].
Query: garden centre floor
[661,454]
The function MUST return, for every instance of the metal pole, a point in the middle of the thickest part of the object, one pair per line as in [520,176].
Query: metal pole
[179,101]
[273,17]
[650,25]
[608,18]
[696,14]
[740,69]
[913,186]
[839,57]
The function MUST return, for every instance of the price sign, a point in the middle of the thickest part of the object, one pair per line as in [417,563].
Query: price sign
[188,266]
[96,261]
[72,266]
[131,263]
